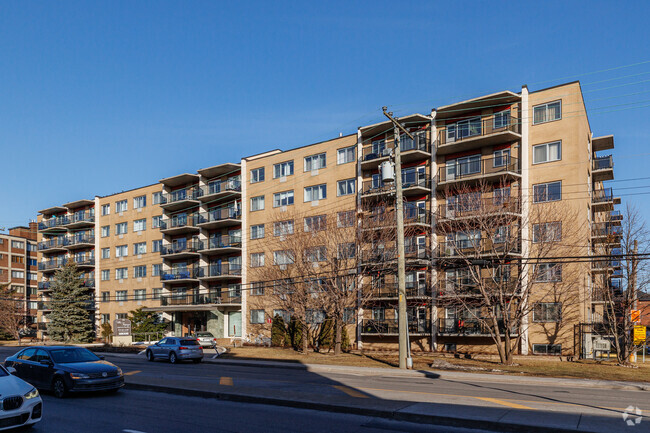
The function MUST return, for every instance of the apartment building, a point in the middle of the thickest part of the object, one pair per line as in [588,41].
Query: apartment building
[18,265]
[65,233]
[129,266]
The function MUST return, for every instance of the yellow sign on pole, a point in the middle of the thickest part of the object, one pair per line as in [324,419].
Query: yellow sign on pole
[635,316]
[639,334]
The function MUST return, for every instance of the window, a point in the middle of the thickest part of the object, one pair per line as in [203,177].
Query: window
[120,295]
[32,276]
[347,251]
[314,316]
[257,203]
[106,296]
[315,223]
[547,152]
[155,221]
[106,318]
[140,225]
[139,271]
[316,254]
[283,257]
[345,187]
[348,315]
[547,232]
[121,206]
[283,228]
[315,162]
[501,158]
[345,218]
[17,274]
[106,209]
[139,248]
[547,312]
[121,316]
[121,228]
[121,273]
[156,293]
[17,244]
[257,232]
[156,197]
[345,155]
[257,316]
[32,262]
[462,167]
[257,260]
[543,192]
[140,294]
[155,270]
[501,119]
[284,198]
[106,253]
[257,175]
[106,275]
[257,289]
[106,231]
[156,246]
[286,317]
[316,192]
[17,259]
[548,272]
[121,251]
[500,235]
[30,247]
[283,169]
[501,195]
[464,129]
[547,112]
[547,349]
[139,202]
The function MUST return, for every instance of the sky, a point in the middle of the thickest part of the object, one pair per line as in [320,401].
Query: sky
[101,97]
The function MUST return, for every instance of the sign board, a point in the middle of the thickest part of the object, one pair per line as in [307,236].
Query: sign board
[639,334]
[635,316]
[602,345]
[121,327]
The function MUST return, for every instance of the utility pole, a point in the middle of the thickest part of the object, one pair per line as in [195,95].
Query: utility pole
[404,352]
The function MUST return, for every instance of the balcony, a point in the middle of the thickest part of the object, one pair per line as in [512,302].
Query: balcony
[469,328]
[222,217]
[615,217]
[179,224]
[80,241]
[181,250]
[606,233]
[484,169]
[468,249]
[225,244]
[412,217]
[227,189]
[476,133]
[462,210]
[54,244]
[51,265]
[470,288]
[44,285]
[56,224]
[415,256]
[81,219]
[202,299]
[181,275]
[607,266]
[373,188]
[223,271]
[84,261]
[373,155]
[182,198]
[391,291]
[603,200]
[603,168]
[42,326]
[391,327]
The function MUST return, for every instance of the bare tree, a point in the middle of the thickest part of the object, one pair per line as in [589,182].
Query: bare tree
[11,311]
[497,285]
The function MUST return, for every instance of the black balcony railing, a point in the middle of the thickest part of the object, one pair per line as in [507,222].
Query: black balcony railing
[52,264]
[221,270]
[53,222]
[59,242]
[82,217]
[468,287]
[376,186]
[44,285]
[606,229]
[181,274]
[481,207]
[602,195]
[84,260]
[387,219]
[471,326]
[383,149]
[477,168]
[221,214]
[472,247]
[201,298]
[181,195]
[603,163]
[184,247]
[80,239]
[477,127]
[615,215]
[390,326]
[178,221]
[223,186]
[382,255]
[224,241]
[391,290]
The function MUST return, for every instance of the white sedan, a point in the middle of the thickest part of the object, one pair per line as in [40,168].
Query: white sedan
[20,404]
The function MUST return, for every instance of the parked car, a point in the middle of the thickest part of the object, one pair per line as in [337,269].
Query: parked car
[206,339]
[175,349]
[65,369]
[21,404]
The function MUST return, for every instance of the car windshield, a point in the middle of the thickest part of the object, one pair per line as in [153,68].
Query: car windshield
[73,354]
[189,343]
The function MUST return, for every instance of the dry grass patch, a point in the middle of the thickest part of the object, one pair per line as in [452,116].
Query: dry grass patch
[292,356]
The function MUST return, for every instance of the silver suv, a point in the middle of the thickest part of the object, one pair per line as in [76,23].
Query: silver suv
[206,339]
[175,349]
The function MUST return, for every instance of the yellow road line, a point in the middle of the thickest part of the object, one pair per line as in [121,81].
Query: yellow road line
[225,380]
[505,403]
[132,372]
[350,391]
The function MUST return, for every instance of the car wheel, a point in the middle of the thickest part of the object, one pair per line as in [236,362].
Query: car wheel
[149,355]
[59,388]
[197,360]
[173,358]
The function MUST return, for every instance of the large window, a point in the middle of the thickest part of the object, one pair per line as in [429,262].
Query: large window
[121,228]
[283,257]
[345,155]
[140,294]
[283,169]
[106,209]
[501,158]
[547,152]
[347,251]
[284,198]
[121,273]
[345,187]
[501,195]
[316,192]
[156,270]
[548,272]
[257,203]
[464,129]
[257,316]
[257,260]
[139,202]
[316,254]
[543,192]
[121,251]
[156,246]
[139,271]
[501,119]
[283,228]
[106,275]
[18,245]
[547,312]
[140,225]
[547,232]
[121,295]
[315,162]
[547,112]
[156,197]
[257,289]
[139,248]
[257,231]
[345,218]
[463,167]
[121,206]
[315,223]
[257,175]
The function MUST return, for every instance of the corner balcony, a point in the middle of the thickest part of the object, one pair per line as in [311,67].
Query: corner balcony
[80,220]
[225,244]
[390,327]
[223,271]
[603,168]
[461,327]
[469,249]
[181,199]
[606,233]
[80,241]
[616,218]
[198,301]
[481,208]
[484,169]
[53,225]
[374,188]
[611,266]
[410,151]
[390,291]
[603,200]
[181,224]
[218,218]
[477,133]
[221,190]
[181,275]
[54,244]
[181,250]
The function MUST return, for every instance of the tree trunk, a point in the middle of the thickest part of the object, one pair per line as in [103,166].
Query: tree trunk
[337,336]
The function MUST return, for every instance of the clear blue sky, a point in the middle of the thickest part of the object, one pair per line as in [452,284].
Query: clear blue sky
[100,97]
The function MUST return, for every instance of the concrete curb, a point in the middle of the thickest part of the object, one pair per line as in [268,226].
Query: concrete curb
[378,413]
